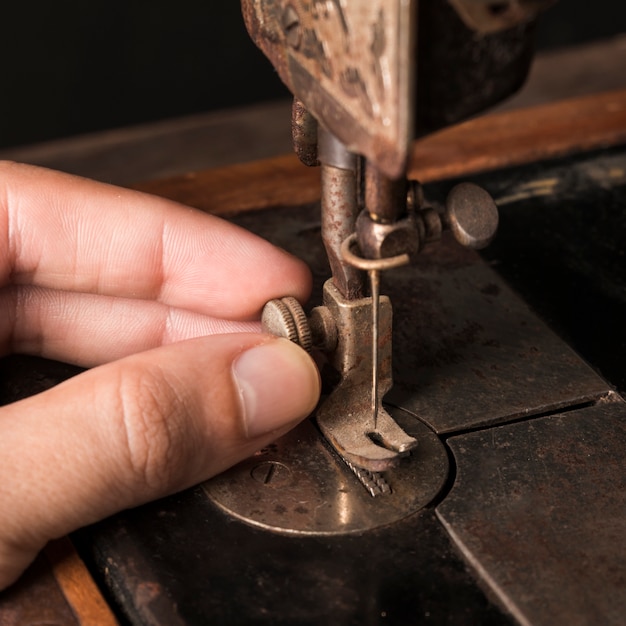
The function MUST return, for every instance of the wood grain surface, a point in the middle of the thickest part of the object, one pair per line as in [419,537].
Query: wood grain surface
[56,590]
[486,143]
[78,587]
[523,136]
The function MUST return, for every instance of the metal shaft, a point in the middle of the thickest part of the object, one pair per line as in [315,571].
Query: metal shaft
[339,210]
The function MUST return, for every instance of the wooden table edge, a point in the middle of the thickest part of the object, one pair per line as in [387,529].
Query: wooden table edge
[486,143]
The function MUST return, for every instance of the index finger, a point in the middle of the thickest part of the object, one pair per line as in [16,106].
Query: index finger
[69,233]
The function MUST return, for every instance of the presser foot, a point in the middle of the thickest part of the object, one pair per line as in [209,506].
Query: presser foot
[370,439]
[352,417]
[346,422]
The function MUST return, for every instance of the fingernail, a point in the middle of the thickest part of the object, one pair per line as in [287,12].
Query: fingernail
[278,384]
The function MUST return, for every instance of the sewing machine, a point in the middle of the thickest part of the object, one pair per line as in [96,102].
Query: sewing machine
[465,464]
[352,68]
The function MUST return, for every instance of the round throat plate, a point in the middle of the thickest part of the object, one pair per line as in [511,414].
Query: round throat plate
[300,485]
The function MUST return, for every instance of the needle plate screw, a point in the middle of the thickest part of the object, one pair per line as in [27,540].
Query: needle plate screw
[271,473]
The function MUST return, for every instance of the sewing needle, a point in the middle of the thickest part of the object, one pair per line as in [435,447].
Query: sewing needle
[374,276]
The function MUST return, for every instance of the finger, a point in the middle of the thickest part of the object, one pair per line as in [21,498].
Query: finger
[88,330]
[68,233]
[140,428]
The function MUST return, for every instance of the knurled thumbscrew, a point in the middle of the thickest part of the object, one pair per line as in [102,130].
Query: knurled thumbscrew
[285,317]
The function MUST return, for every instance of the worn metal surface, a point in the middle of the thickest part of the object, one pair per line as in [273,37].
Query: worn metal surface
[300,486]
[351,64]
[472,215]
[469,212]
[366,438]
[339,209]
[468,352]
[304,129]
[482,357]
[286,318]
[385,198]
[374,482]
[353,334]
[562,244]
[460,72]
[210,568]
[539,510]
[381,240]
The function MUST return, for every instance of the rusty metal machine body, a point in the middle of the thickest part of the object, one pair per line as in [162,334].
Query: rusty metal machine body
[377,74]
[368,78]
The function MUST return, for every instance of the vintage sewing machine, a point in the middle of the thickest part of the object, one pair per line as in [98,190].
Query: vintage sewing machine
[352,68]
[465,465]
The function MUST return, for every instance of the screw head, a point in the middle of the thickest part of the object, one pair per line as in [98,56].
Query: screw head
[271,473]
[472,215]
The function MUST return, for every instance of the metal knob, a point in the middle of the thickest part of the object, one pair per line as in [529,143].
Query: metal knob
[285,317]
[472,215]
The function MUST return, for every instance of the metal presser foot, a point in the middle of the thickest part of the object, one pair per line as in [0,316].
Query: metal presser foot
[352,417]
[365,464]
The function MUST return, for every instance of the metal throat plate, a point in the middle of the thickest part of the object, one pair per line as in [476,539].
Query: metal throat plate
[300,485]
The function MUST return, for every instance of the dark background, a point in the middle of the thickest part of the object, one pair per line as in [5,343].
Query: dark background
[73,66]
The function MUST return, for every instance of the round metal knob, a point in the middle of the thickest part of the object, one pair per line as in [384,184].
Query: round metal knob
[285,317]
[471,215]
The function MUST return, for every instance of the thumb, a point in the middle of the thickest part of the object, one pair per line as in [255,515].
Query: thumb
[141,428]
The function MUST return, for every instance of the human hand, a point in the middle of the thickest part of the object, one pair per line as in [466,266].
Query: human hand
[147,290]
